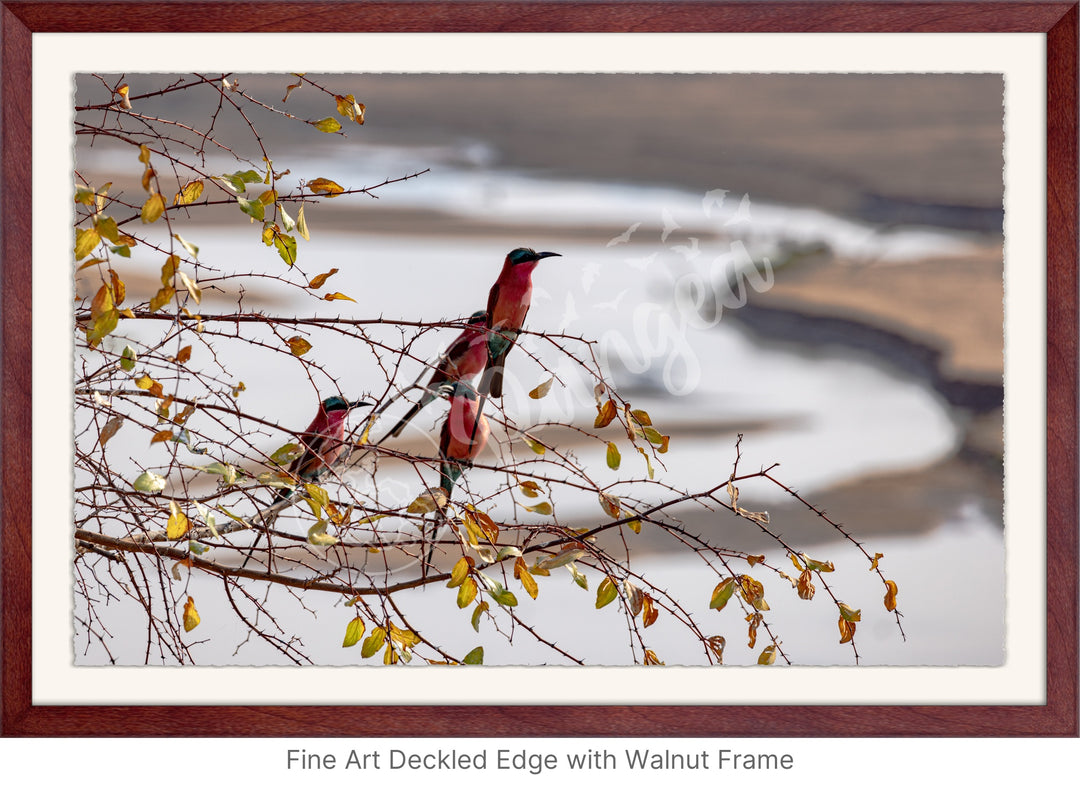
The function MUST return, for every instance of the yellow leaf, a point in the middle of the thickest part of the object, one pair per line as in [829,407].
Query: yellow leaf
[325,186]
[267,197]
[148,174]
[536,446]
[651,658]
[192,287]
[529,488]
[298,346]
[874,563]
[144,154]
[318,281]
[428,501]
[805,587]
[301,224]
[354,631]
[528,582]
[189,193]
[328,125]
[459,572]
[541,390]
[163,296]
[373,642]
[178,521]
[466,593]
[755,559]
[890,595]
[540,508]
[641,417]
[86,239]
[107,228]
[191,616]
[153,208]
[849,614]
[767,656]
[348,107]
[337,296]
[605,414]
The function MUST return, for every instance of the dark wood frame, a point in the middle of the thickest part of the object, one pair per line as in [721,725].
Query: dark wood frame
[18,715]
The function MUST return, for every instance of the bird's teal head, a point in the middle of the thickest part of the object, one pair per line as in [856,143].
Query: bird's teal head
[478,318]
[526,255]
[338,404]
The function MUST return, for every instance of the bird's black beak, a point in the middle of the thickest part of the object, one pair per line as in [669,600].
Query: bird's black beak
[355,404]
[546,255]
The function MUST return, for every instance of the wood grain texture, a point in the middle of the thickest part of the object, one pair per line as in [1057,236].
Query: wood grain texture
[1058,717]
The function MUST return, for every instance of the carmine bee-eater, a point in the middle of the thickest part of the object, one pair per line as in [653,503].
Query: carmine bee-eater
[464,359]
[322,441]
[464,434]
[508,302]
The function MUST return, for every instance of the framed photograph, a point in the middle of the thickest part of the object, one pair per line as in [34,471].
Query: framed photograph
[682,369]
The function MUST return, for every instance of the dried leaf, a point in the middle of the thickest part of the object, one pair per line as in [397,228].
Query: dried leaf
[649,612]
[528,582]
[323,186]
[192,287]
[318,281]
[767,656]
[541,390]
[331,296]
[890,595]
[610,504]
[298,346]
[874,563]
[109,429]
[605,414]
[191,616]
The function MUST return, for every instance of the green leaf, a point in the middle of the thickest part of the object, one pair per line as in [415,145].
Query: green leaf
[540,508]
[354,631]
[286,454]
[149,482]
[317,535]
[253,209]
[475,657]
[286,248]
[614,459]
[606,592]
[722,593]
[502,595]
[479,611]
[106,227]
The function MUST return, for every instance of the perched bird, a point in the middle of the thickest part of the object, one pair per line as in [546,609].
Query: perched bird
[508,302]
[322,441]
[464,434]
[464,359]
